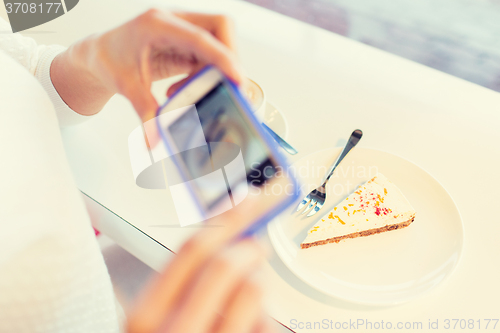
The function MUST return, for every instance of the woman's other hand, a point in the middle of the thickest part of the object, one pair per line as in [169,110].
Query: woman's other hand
[126,60]
[205,289]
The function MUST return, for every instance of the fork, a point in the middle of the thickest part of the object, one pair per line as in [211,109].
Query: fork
[316,199]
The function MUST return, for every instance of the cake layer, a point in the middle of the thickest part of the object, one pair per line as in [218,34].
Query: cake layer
[359,234]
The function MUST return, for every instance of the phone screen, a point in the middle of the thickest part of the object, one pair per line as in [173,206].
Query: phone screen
[231,145]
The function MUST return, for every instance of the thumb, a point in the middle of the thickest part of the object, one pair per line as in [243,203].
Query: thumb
[146,106]
[174,87]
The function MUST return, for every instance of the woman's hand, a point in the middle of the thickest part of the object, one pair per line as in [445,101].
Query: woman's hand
[210,286]
[126,60]
[205,289]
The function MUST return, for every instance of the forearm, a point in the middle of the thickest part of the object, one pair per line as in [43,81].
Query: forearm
[75,82]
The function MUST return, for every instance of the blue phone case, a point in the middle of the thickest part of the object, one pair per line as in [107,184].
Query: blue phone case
[241,101]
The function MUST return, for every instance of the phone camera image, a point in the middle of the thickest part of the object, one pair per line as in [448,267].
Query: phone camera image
[261,172]
[220,132]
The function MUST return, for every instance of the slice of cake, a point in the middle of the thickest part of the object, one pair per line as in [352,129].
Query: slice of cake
[376,206]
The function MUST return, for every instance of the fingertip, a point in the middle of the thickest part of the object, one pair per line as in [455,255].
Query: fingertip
[152,139]
[173,89]
[152,135]
[147,115]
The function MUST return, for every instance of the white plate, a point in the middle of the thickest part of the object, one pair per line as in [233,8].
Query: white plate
[275,119]
[388,268]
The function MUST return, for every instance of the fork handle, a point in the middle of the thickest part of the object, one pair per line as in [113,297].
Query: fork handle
[353,141]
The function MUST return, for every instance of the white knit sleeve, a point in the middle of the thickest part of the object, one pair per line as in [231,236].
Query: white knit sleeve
[38,59]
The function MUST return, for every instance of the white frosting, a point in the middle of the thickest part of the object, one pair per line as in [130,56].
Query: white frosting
[375,204]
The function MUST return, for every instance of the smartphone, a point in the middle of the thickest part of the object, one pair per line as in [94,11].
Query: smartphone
[218,157]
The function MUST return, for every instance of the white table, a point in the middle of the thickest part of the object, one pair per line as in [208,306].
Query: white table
[327,86]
